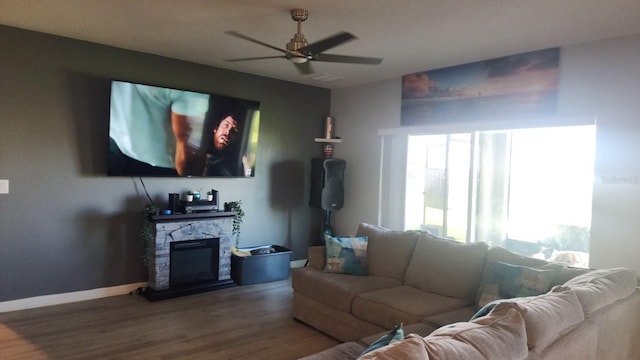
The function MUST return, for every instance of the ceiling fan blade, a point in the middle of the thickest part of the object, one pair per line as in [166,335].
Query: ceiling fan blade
[327,43]
[347,59]
[304,68]
[257,58]
[245,37]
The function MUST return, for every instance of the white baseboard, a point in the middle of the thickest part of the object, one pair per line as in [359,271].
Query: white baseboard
[57,299]
[298,263]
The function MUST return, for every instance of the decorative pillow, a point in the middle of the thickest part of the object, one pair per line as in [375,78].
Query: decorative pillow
[346,255]
[394,335]
[504,281]
[485,310]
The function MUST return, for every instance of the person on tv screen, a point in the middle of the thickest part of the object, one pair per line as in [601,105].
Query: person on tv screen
[150,128]
[221,156]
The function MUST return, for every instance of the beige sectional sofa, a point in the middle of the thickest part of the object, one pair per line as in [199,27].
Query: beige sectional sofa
[434,286]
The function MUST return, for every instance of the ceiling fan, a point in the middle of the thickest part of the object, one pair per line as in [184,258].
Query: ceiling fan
[300,53]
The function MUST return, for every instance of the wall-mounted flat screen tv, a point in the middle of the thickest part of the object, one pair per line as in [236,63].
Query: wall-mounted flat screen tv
[159,131]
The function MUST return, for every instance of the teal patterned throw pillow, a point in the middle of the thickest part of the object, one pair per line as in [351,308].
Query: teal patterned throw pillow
[392,336]
[505,281]
[346,255]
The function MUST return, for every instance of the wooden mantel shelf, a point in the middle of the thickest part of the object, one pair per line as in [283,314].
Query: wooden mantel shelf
[328,140]
[193,215]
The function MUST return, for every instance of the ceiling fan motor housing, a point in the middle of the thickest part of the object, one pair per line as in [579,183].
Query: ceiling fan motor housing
[298,41]
[299,14]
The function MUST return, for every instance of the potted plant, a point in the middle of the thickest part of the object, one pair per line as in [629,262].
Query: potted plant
[237,219]
[193,195]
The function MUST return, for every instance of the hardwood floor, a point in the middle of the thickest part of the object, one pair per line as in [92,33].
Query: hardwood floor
[244,322]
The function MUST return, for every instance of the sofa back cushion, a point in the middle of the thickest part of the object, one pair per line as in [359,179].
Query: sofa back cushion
[388,251]
[599,288]
[494,337]
[411,347]
[546,316]
[446,267]
[316,256]
[562,272]
[498,253]
[503,281]
[500,336]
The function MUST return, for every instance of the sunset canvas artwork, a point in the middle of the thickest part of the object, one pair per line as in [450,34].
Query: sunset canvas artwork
[516,86]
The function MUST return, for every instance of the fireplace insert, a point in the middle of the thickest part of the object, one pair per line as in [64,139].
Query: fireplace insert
[193,261]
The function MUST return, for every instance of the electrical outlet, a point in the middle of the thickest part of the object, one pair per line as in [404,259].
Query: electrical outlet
[4,186]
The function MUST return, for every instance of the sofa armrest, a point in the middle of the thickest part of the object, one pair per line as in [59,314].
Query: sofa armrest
[316,255]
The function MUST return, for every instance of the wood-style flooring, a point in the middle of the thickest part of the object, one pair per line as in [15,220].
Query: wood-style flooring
[243,322]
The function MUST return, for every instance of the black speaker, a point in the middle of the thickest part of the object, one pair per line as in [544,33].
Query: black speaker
[327,189]
[214,198]
[174,202]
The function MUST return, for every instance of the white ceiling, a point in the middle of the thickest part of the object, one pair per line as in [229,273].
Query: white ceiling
[411,35]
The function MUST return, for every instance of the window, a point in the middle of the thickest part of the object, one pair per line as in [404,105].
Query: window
[528,190]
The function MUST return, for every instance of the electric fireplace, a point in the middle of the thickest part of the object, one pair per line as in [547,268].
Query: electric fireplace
[190,253]
[193,261]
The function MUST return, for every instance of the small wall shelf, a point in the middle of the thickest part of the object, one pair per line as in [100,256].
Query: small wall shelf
[328,140]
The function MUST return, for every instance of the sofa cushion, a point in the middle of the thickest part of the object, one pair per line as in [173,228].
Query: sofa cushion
[499,336]
[316,256]
[562,272]
[346,255]
[503,281]
[402,304]
[495,336]
[600,288]
[389,251]
[446,267]
[336,290]
[412,347]
[578,342]
[546,315]
[450,317]
[498,253]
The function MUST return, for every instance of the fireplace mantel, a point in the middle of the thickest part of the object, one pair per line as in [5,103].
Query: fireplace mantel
[185,227]
[195,215]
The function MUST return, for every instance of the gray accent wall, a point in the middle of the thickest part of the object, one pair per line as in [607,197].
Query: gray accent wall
[65,226]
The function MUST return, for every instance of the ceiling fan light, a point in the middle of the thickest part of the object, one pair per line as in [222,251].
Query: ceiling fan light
[298,60]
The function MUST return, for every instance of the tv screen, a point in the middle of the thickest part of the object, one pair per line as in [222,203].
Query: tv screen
[158,131]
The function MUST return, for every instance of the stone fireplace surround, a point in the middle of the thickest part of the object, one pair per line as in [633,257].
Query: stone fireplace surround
[185,227]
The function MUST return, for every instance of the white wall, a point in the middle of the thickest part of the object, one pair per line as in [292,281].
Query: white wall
[597,79]
[602,78]
[360,112]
